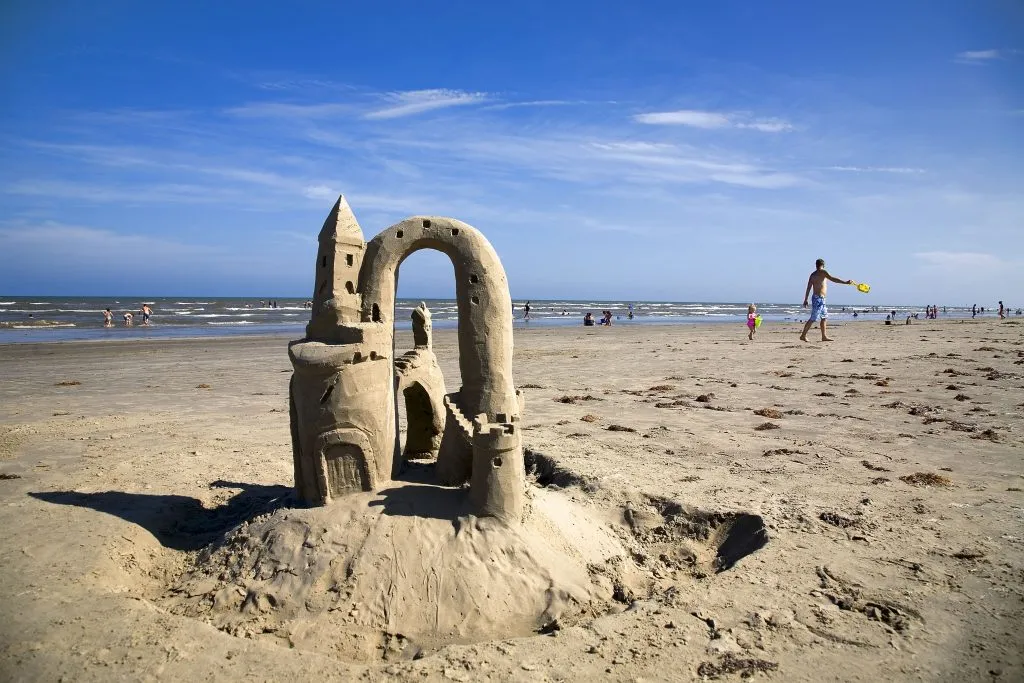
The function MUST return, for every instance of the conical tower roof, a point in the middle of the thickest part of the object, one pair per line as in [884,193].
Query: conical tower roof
[341,224]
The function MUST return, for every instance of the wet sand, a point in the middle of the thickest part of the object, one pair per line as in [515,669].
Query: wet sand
[886,467]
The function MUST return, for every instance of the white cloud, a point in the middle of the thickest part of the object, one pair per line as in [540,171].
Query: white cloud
[320,192]
[83,244]
[978,57]
[281,110]
[967,260]
[875,169]
[414,102]
[768,126]
[120,193]
[684,117]
[532,103]
[712,120]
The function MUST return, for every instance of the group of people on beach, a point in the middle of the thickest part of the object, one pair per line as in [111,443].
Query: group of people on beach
[128,317]
[606,318]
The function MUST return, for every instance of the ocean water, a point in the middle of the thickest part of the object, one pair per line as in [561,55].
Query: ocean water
[35,319]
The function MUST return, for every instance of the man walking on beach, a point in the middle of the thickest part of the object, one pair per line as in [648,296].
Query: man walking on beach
[818,282]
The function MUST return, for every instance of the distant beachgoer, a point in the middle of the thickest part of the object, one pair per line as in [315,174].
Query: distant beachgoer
[818,282]
[888,319]
[607,320]
[974,311]
[588,319]
[526,311]
[1002,311]
[146,312]
[127,318]
[855,314]
[751,321]
[630,316]
[108,318]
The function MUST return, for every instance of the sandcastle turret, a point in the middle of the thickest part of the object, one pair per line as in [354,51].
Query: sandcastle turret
[338,260]
[342,407]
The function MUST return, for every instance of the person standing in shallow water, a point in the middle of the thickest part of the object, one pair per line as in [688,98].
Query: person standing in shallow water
[818,283]
[526,311]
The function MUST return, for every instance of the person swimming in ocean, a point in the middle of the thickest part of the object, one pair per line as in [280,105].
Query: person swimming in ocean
[818,283]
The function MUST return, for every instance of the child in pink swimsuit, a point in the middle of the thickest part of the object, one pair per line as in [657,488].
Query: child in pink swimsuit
[751,320]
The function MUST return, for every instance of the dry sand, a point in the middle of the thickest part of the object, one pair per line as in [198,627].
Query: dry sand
[889,483]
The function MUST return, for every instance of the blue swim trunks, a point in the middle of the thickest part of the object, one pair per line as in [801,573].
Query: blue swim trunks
[818,310]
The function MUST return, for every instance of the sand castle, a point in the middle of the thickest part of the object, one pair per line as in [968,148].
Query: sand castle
[344,391]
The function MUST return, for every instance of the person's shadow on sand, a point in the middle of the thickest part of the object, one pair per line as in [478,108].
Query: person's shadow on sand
[180,522]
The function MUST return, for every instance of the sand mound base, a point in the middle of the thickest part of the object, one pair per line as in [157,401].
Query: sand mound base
[394,573]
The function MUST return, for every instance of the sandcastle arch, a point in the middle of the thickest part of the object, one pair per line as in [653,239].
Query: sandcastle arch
[481,293]
[487,405]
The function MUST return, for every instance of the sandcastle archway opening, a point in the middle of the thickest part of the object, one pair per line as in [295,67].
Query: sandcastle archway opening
[419,406]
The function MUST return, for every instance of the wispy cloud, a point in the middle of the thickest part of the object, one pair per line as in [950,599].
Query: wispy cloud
[94,245]
[371,106]
[413,102]
[978,57]
[283,110]
[533,103]
[684,117]
[875,169]
[712,119]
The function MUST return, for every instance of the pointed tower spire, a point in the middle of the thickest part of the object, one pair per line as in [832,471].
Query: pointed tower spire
[341,224]
[338,260]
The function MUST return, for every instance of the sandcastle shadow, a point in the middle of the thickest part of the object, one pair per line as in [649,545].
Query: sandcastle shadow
[180,522]
[416,494]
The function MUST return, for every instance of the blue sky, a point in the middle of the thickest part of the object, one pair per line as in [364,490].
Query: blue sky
[648,150]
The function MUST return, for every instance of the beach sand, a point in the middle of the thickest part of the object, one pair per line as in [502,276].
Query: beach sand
[888,478]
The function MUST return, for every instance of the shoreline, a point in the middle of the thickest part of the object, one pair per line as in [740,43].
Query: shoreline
[153,333]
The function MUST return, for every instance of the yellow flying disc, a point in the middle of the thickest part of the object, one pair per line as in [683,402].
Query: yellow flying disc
[862,287]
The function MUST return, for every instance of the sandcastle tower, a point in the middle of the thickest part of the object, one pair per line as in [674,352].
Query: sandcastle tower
[338,259]
[343,391]
[341,409]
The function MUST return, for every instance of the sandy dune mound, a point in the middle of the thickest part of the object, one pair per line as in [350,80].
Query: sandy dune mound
[398,568]
[393,573]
